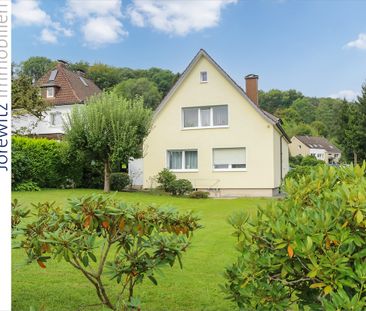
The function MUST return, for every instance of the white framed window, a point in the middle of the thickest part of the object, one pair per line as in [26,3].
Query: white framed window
[56,118]
[50,92]
[205,117]
[233,159]
[203,77]
[182,160]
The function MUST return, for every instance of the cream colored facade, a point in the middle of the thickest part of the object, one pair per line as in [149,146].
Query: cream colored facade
[248,127]
[297,147]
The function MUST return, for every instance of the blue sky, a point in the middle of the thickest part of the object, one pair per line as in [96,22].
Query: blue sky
[316,47]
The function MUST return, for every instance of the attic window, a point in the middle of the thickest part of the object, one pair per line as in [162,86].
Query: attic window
[84,82]
[50,92]
[53,75]
[203,76]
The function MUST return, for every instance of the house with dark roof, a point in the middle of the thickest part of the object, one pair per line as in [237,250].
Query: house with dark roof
[210,131]
[318,147]
[62,88]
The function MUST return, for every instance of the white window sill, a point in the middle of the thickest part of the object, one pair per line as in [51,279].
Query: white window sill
[203,82]
[184,171]
[205,127]
[230,170]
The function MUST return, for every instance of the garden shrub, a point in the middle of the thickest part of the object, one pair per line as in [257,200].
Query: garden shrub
[307,251]
[48,163]
[199,195]
[181,187]
[27,186]
[301,166]
[120,181]
[106,240]
[51,164]
[165,179]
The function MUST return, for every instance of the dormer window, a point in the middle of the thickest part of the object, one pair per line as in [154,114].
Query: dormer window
[203,76]
[50,92]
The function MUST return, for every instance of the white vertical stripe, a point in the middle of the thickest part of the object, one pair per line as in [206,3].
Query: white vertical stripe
[5,156]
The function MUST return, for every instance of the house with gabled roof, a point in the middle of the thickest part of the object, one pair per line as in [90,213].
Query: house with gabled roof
[319,147]
[62,88]
[210,131]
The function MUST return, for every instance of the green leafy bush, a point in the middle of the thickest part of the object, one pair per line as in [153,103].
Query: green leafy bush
[199,195]
[307,251]
[181,187]
[106,239]
[51,164]
[27,186]
[120,181]
[165,179]
[301,166]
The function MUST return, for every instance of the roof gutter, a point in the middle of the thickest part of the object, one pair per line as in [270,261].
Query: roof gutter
[279,126]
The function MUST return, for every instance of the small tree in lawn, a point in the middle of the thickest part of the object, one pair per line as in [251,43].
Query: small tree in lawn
[109,128]
[99,236]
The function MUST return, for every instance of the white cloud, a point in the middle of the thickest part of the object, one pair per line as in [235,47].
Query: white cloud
[359,43]
[28,13]
[82,8]
[100,20]
[99,31]
[347,94]
[48,36]
[177,17]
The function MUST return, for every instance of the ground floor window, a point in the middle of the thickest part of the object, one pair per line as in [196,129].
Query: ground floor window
[182,159]
[229,158]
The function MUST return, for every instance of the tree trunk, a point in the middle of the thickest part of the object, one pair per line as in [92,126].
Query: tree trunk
[107,176]
[354,158]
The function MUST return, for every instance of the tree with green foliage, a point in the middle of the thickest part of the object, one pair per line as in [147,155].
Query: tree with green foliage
[26,98]
[104,76]
[109,128]
[307,251]
[164,79]
[105,239]
[133,88]
[305,108]
[80,65]
[351,133]
[35,67]
[275,99]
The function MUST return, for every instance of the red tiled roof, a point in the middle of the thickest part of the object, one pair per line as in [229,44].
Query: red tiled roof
[70,87]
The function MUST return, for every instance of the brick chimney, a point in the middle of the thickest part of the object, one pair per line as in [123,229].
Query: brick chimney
[251,87]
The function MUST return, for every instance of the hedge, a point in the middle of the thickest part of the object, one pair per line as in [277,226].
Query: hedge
[50,164]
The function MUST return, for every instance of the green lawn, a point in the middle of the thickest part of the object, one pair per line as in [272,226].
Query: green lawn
[196,287]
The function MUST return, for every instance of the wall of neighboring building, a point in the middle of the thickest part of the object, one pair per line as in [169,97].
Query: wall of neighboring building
[246,128]
[297,147]
[45,126]
[320,154]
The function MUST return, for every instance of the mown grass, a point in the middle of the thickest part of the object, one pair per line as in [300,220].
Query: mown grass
[60,287]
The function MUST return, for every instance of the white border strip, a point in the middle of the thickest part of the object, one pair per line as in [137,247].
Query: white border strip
[5,154]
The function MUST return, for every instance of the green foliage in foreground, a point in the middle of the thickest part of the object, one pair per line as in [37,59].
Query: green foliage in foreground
[60,288]
[307,251]
[138,241]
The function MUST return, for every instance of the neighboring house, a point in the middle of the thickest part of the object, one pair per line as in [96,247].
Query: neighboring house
[62,88]
[318,147]
[211,132]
